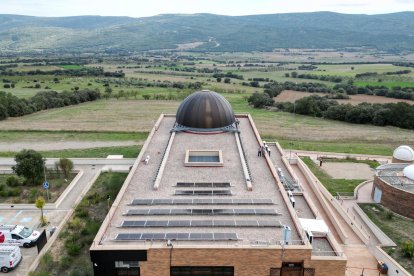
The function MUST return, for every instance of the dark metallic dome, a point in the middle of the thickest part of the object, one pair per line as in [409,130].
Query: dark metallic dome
[205,109]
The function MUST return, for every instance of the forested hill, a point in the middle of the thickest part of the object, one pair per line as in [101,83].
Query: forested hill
[391,32]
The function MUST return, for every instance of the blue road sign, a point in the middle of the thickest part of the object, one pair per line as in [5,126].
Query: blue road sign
[46,185]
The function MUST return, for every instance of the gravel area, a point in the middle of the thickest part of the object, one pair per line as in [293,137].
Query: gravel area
[349,170]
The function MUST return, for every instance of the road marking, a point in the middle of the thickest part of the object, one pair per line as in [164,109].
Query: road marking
[13,218]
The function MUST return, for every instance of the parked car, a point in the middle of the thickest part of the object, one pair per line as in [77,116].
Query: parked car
[18,234]
[10,257]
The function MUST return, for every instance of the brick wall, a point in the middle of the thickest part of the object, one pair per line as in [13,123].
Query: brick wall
[401,202]
[246,262]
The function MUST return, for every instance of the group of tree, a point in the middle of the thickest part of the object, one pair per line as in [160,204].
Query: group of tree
[330,78]
[79,72]
[12,106]
[230,75]
[340,90]
[393,114]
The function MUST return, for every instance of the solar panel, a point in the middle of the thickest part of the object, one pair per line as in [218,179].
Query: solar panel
[202,192]
[242,201]
[246,223]
[224,223]
[177,236]
[265,201]
[162,201]
[199,211]
[201,201]
[185,184]
[182,201]
[201,223]
[244,211]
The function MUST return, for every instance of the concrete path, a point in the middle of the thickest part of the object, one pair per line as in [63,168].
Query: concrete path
[315,155]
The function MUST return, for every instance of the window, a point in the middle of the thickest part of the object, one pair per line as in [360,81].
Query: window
[203,158]
[127,268]
[202,271]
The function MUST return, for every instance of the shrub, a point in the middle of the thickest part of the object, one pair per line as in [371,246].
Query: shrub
[260,100]
[72,248]
[407,249]
[65,261]
[13,181]
[389,215]
[75,223]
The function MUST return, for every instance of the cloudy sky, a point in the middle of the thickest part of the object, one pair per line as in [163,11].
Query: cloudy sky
[141,8]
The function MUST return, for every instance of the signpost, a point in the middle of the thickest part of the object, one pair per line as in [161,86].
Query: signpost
[46,187]
[45,184]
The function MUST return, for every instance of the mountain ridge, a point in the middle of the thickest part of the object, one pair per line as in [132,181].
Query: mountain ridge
[388,32]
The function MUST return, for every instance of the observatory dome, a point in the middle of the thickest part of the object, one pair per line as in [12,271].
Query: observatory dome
[205,110]
[409,172]
[404,153]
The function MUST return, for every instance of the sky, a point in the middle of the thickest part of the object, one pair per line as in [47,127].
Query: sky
[140,8]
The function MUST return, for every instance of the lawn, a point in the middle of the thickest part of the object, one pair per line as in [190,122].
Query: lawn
[28,193]
[127,152]
[33,135]
[398,228]
[334,186]
[388,84]
[70,253]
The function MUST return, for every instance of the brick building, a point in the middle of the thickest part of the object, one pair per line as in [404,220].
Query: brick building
[203,198]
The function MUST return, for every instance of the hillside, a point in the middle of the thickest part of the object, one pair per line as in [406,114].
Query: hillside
[390,32]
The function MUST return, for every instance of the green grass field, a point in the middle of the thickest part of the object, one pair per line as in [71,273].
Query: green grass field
[386,83]
[334,186]
[127,152]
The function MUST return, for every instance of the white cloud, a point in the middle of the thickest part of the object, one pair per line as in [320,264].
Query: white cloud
[139,8]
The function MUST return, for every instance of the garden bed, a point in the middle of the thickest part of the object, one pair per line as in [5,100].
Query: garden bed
[400,229]
[70,252]
[28,193]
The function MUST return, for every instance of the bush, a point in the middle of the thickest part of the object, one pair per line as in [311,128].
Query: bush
[72,247]
[407,249]
[47,261]
[260,100]
[75,223]
[389,215]
[65,261]
[13,181]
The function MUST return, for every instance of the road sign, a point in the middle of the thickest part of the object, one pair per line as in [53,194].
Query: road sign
[46,185]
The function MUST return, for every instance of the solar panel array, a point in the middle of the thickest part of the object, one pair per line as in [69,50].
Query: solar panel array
[200,223]
[203,192]
[177,236]
[203,201]
[210,212]
[203,184]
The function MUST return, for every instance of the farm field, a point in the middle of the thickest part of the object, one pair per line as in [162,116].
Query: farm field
[125,115]
[292,96]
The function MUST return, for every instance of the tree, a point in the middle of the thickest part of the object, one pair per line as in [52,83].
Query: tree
[66,165]
[30,165]
[3,112]
[260,100]
[227,80]
[40,203]
[218,79]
